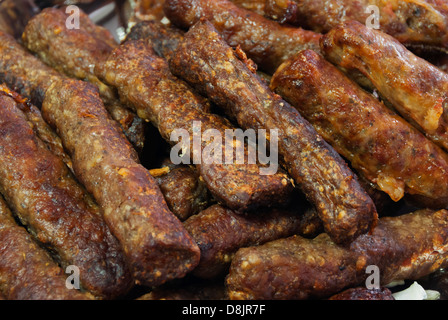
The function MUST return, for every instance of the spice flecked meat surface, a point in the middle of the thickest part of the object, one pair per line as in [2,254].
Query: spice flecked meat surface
[412,22]
[156,245]
[264,41]
[47,199]
[23,72]
[144,80]
[163,39]
[379,144]
[75,52]
[414,87]
[220,232]
[405,247]
[185,192]
[213,68]
[40,127]
[27,272]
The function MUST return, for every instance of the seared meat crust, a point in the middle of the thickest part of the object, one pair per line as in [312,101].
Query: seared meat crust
[220,232]
[414,87]
[207,62]
[380,145]
[264,41]
[405,247]
[27,272]
[47,199]
[144,81]
[156,245]
[412,22]
[75,52]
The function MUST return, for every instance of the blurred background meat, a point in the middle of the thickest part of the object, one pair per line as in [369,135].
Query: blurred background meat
[14,15]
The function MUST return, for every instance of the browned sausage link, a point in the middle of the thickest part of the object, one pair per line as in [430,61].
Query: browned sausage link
[27,272]
[46,197]
[220,232]
[23,72]
[154,241]
[409,21]
[170,104]
[75,52]
[213,68]
[362,293]
[185,192]
[15,14]
[264,41]
[380,145]
[163,39]
[416,88]
[409,246]
[40,127]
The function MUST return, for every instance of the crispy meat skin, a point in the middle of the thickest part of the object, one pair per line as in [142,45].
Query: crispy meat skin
[185,193]
[404,247]
[145,81]
[362,293]
[27,272]
[155,243]
[264,41]
[416,88]
[60,214]
[14,14]
[409,21]
[163,39]
[75,52]
[380,145]
[220,232]
[30,77]
[319,171]
[23,72]
[40,127]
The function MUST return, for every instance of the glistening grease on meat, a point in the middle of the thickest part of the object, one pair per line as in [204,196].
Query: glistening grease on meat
[212,67]
[406,247]
[412,22]
[55,208]
[380,145]
[27,271]
[414,87]
[220,232]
